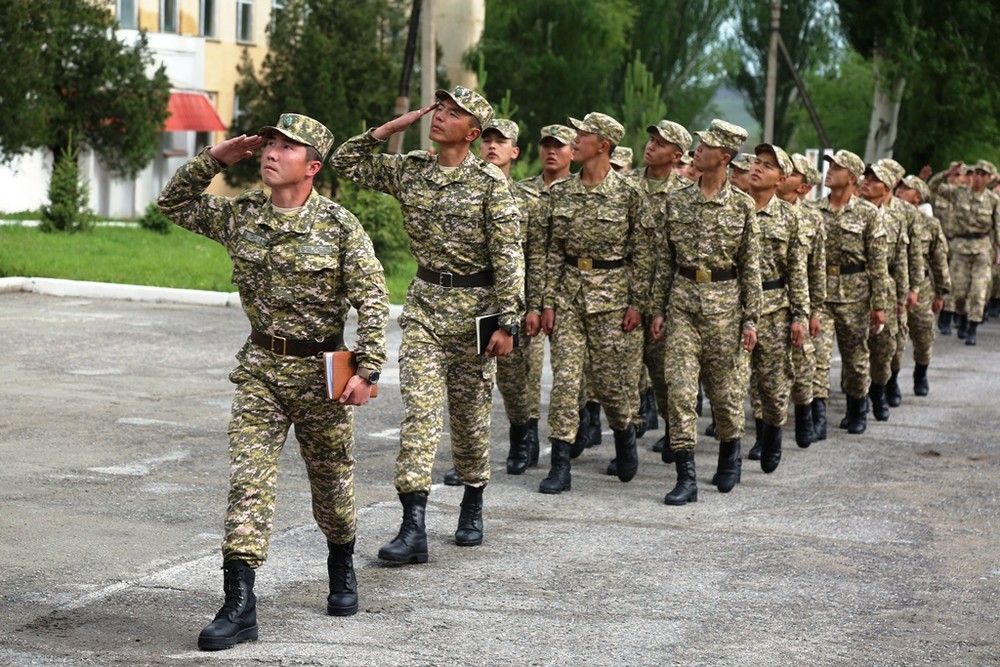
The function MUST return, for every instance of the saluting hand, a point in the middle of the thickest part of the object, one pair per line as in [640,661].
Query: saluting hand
[235,149]
[401,123]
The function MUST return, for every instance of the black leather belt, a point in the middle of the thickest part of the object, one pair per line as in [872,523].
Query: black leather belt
[282,346]
[588,263]
[707,275]
[973,236]
[777,283]
[449,279]
[843,269]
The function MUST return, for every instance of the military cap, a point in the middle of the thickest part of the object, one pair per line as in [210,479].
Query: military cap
[687,158]
[721,134]
[622,157]
[784,162]
[882,173]
[743,161]
[672,132]
[470,101]
[848,160]
[508,129]
[917,183]
[560,133]
[985,165]
[303,130]
[600,124]
[804,166]
[897,170]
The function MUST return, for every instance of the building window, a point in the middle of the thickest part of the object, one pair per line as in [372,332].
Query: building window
[208,18]
[128,15]
[277,8]
[239,115]
[168,16]
[244,20]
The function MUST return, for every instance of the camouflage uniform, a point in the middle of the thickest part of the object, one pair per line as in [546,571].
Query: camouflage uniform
[297,275]
[935,282]
[460,222]
[945,211]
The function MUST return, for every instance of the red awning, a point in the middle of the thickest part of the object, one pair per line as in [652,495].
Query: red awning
[194,112]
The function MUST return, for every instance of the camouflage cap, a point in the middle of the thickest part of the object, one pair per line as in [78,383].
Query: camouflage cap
[882,173]
[622,157]
[848,160]
[304,130]
[784,162]
[721,134]
[672,132]
[560,133]
[600,124]
[508,129]
[917,183]
[897,170]
[687,158]
[985,165]
[471,102]
[804,166]
[743,161]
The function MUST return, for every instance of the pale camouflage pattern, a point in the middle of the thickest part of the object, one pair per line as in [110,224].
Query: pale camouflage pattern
[672,132]
[771,368]
[508,129]
[304,130]
[470,101]
[561,133]
[602,125]
[847,160]
[622,157]
[813,234]
[915,274]
[942,200]
[704,321]
[297,276]
[895,221]
[743,161]
[464,221]
[849,321]
[784,159]
[929,238]
[721,134]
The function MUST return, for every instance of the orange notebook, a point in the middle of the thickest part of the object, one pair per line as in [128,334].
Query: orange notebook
[340,367]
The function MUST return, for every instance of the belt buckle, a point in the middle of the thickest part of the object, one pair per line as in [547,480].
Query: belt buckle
[585,263]
[833,270]
[451,279]
[284,345]
[702,276]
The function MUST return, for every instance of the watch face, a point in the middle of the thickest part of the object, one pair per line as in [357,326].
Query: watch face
[373,377]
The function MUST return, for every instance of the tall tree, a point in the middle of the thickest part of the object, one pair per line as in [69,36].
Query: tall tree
[70,83]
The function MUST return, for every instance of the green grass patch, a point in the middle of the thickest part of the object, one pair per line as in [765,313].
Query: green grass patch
[135,256]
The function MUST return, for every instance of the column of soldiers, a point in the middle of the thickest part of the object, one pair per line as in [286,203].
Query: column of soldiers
[704,271]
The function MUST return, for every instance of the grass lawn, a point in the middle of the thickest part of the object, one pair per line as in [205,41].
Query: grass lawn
[135,256]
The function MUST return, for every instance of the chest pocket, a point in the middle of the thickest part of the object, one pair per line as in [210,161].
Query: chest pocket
[250,265]
[434,218]
[847,236]
[308,273]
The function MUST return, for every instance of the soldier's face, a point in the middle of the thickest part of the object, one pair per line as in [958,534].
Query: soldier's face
[791,184]
[837,176]
[872,189]
[708,158]
[740,179]
[585,146]
[909,195]
[451,124]
[660,152]
[556,155]
[285,162]
[497,149]
[765,173]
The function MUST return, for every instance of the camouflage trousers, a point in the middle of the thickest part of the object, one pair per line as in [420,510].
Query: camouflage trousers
[261,416]
[803,372]
[771,368]
[949,298]
[971,278]
[519,379]
[883,346]
[614,360]
[922,329]
[709,347]
[850,323]
[902,333]
[653,352]
[995,291]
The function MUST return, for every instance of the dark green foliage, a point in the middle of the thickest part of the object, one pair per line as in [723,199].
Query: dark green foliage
[380,216]
[153,220]
[68,196]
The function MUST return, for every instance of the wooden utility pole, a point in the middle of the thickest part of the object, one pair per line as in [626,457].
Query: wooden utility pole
[772,72]
[396,141]
[428,68]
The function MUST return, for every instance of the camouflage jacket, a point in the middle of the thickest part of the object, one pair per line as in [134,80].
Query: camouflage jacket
[783,256]
[298,275]
[896,222]
[462,221]
[533,206]
[813,235]
[977,218]
[929,239]
[942,201]
[855,236]
[714,234]
[609,222]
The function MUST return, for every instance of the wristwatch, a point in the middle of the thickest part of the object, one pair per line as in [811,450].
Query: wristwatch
[369,375]
[512,329]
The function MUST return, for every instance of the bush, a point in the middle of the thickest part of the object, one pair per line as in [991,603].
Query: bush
[155,221]
[67,210]
[380,216]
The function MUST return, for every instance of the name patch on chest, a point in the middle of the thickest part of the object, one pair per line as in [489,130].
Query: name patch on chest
[256,238]
[315,250]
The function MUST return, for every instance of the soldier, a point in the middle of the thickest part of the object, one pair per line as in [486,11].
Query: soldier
[944,210]
[929,238]
[856,287]
[687,168]
[739,171]
[300,261]
[706,301]
[810,413]
[465,235]
[599,270]
[784,313]
[621,160]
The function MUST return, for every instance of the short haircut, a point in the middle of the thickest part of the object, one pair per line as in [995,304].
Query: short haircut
[312,155]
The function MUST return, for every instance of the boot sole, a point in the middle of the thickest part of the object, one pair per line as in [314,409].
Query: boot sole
[222,643]
[342,611]
[552,491]
[469,543]
[412,558]
[675,503]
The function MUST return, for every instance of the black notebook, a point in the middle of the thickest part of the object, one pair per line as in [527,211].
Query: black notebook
[485,326]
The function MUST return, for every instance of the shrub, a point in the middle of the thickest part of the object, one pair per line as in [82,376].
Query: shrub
[154,220]
[67,209]
[380,216]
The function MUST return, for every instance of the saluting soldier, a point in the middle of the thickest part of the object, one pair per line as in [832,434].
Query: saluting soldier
[300,262]
[464,229]
[944,210]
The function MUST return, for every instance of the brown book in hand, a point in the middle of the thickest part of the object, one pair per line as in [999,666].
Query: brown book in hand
[341,366]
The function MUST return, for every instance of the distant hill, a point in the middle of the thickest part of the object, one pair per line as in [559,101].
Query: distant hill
[729,106]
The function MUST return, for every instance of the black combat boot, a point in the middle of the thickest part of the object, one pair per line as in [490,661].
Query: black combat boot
[647,407]
[593,424]
[730,466]
[920,385]
[880,407]
[626,456]
[470,519]
[533,444]
[559,478]
[770,457]
[518,456]
[451,478]
[970,335]
[857,415]
[236,621]
[944,322]
[758,442]
[581,442]
[410,544]
[804,426]
[962,328]
[686,489]
[893,395]
[699,401]
[710,429]
[343,598]
[818,407]
[666,454]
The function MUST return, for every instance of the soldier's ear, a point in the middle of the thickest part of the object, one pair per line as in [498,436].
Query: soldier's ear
[474,133]
[313,167]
